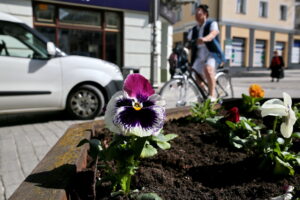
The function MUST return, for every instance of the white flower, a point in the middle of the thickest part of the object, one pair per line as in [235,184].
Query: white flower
[276,107]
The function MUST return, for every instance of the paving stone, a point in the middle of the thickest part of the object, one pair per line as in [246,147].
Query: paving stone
[12,178]
[28,166]
[9,190]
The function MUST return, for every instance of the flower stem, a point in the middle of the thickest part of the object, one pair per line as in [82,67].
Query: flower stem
[275,124]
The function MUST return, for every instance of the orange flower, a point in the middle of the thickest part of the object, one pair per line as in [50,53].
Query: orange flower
[256,91]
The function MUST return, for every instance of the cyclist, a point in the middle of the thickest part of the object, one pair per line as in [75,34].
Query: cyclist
[206,49]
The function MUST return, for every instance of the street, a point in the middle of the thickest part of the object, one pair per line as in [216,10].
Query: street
[26,138]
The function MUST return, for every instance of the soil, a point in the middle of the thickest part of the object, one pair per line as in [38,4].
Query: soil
[202,165]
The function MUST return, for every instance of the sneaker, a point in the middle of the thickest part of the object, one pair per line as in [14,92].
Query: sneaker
[212,99]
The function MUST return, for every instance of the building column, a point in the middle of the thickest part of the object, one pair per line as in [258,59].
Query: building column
[251,47]
[289,47]
[228,32]
[272,45]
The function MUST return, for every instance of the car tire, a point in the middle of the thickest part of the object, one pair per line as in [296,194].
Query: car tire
[85,102]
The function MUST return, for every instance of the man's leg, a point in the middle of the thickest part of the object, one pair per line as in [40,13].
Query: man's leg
[209,72]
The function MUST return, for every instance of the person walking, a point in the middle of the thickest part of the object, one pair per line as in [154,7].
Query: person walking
[205,47]
[277,65]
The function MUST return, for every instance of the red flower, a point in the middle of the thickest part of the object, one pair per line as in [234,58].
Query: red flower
[233,115]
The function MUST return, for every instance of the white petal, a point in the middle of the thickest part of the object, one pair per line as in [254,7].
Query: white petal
[274,110]
[287,99]
[272,102]
[138,131]
[286,130]
[111,112]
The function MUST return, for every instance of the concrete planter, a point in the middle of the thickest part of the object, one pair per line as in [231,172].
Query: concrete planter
[51,179]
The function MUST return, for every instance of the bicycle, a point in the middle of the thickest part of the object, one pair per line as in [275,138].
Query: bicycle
[183,90]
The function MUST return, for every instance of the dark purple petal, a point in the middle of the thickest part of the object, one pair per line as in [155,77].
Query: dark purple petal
[137,85]
[123,102]
[145,117]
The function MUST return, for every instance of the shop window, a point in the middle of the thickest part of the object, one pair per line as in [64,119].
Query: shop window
[80,42]
[82,17]
[83,31]
[241,6]
[296,52]
[112,20]
[44,13]
[283,12]
[238,52]
[48,32]
[280,46]
[263,9]
[113,50]
[260,53]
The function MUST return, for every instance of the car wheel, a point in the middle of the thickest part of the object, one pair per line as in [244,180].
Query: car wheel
[85,102]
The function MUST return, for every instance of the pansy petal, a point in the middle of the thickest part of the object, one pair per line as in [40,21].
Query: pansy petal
[273,110]
[111,111]
[286,130]
[287,99]
[286,127]
[136,84]
[273,102]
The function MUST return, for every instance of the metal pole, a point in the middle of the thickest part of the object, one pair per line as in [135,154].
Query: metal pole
[153,67]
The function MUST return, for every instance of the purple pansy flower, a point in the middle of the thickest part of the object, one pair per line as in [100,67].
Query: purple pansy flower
[136,110]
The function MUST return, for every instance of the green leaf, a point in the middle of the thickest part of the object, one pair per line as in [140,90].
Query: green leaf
[246,126]
[296,135]
[148,150]
[164,145]
[282,168]
[231,125]
[148,196]
[170,136]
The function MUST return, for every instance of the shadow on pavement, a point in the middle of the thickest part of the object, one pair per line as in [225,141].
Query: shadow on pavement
[30,118]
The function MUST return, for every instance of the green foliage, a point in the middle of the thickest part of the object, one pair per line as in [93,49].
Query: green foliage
[125,152]
[276,155]
[243,134]
[296,109]
[250,103]
[204,110]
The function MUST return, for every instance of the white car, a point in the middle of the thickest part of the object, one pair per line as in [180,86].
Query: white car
[37,76]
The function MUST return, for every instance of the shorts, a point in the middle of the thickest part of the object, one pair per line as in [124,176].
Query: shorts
[199,64]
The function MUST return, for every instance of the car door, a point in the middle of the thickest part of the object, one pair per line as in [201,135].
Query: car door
[29,79]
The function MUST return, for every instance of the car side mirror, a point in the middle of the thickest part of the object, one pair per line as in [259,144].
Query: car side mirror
[51,49]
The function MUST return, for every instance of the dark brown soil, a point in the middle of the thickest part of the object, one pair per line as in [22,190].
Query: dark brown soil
[201,165]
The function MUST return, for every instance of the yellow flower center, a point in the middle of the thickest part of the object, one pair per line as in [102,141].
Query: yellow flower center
[137,106]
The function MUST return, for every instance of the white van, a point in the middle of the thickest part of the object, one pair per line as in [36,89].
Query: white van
[37,76]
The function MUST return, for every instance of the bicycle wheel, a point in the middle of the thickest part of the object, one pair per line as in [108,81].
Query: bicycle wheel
[223,86]
[180,92]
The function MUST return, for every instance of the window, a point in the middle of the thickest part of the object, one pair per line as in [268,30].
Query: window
[283,12]
[82,31]
[241,6]
[179,14]
[74,16]
[194,7]
[18,42]
[44,13]
[263,9]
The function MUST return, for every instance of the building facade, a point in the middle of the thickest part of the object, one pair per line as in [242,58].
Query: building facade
[250,30]
[117,31]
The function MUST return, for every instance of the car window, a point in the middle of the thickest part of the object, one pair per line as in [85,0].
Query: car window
[17,41]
